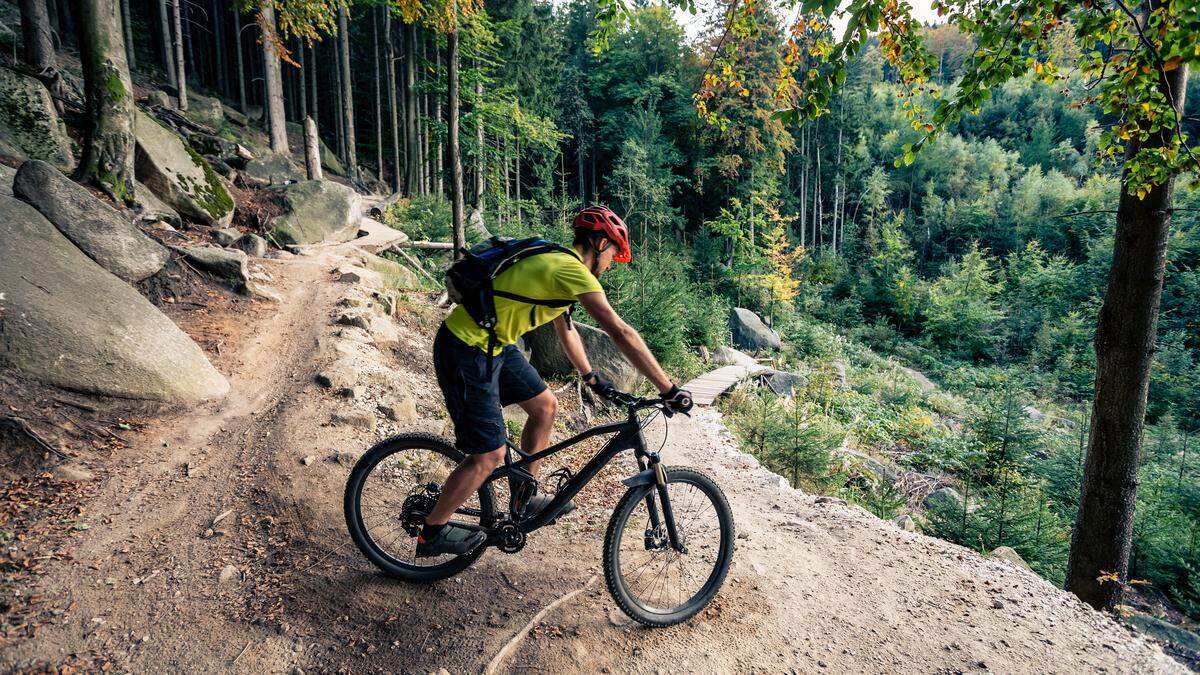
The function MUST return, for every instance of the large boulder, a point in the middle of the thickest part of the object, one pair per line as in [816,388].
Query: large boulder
[547,356]
[785,384]
[96,228]
[178,175]
[749,331]
[228,264]
[728,356]
[66,321]
[7,173]
[1009,555]
[29,120]
[151,209]
[945,499]
[205,110]
[329,158]
[317,210]
[476,229]
[272,169]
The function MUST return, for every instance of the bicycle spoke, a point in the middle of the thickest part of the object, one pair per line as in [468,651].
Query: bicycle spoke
[663,580]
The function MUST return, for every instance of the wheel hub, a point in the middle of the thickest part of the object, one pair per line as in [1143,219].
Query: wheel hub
[418,505]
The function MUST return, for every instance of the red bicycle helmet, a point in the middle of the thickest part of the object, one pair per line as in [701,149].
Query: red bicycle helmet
[602,219]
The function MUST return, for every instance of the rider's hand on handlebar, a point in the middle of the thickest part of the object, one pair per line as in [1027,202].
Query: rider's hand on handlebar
[601,386]
[678,400]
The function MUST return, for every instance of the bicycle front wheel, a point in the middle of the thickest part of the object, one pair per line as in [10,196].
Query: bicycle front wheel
[652,582]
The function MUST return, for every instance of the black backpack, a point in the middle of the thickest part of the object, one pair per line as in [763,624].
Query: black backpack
[469,280]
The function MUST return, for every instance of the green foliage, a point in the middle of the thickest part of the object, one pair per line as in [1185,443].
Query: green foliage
[963,317]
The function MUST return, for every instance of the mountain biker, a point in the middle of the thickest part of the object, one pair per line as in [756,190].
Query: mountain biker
[475,397]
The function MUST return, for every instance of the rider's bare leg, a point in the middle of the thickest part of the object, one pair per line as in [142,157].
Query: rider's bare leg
[464,480]
[536,434]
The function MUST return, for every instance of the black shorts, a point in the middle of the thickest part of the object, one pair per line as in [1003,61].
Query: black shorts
[475,401]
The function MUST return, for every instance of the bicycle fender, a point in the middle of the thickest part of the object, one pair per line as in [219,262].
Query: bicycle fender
[650,476]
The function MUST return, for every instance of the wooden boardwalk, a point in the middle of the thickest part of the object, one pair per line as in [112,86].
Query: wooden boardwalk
[706,388]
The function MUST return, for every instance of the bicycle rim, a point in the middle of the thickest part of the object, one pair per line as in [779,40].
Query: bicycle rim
[389,487]
[654,583]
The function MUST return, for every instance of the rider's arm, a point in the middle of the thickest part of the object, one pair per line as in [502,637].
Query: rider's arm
[572,345]
[626,338]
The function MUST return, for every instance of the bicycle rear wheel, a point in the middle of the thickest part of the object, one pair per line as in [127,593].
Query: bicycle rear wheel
[388,493]
[652,582]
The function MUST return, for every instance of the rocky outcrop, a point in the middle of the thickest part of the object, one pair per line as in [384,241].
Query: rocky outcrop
[252,244]
[66,321]
[728,356]
[95,227]
[272,169]
[151,209]
[317,210]
[179,176]
[29,121]
[943,499]
[222,262]
[205,110]
[329,159]
[749,331]
[7,173]
[927,385]
[547,356]
[476,229]
[235,117]
[785,384]
[1009,555]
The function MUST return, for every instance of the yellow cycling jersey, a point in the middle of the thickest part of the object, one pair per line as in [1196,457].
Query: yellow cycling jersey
[546,276]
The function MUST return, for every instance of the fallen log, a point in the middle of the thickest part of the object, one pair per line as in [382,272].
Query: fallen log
[426,245]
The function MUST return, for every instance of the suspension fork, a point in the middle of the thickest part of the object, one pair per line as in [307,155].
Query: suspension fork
[664,498]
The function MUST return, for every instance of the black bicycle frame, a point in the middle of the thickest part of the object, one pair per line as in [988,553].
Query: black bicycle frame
[628,437]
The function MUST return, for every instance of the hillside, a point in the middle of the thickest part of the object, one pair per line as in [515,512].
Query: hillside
[215,542]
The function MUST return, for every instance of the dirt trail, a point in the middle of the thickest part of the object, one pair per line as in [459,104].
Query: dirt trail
[814,586]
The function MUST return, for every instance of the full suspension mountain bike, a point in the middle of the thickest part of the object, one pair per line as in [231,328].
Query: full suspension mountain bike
[669,541]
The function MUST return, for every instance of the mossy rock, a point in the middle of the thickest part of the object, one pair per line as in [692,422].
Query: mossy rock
[317,210]
[178,175]
[30,122]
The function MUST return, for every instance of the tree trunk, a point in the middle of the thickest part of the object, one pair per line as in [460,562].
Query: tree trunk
[218,24]
[456,176]
[439,169]
[276,121]
[393,116]
[378,97]
[480,142]
[127,34]
[347,93]
[108,147]
[338,116]
[302,80]
[411,177]
[180,71]
[1125,336]
[168,58]
[241,70]
[35,35]
[423,122]
[314,88]
[579,150]
[312,150]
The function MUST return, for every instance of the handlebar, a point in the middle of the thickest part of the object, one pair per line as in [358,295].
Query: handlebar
[634,402]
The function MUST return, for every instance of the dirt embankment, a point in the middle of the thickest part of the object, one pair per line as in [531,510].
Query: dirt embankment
[216,544]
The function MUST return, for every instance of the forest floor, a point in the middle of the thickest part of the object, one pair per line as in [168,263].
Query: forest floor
[216,543]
